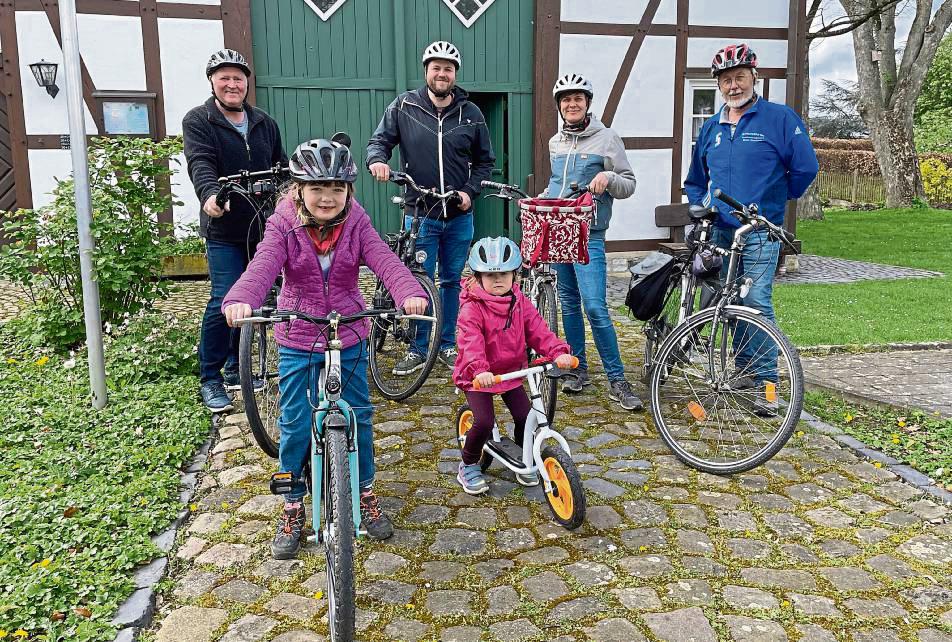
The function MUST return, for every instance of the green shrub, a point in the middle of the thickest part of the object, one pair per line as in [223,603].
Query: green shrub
[128,179]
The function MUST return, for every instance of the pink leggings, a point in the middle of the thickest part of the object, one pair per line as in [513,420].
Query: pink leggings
[484,416]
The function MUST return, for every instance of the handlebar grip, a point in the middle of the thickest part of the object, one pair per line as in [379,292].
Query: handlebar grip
[494,185]
[574,362]
[496,379]
[720,195]
[221,198]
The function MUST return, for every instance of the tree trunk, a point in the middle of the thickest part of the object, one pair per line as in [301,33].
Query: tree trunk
[808,205]
[892,137]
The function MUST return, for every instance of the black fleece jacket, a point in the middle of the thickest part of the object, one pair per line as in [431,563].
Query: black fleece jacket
[214,148]
[412,122]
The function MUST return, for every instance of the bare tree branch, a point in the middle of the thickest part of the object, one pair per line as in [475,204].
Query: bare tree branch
[852,20]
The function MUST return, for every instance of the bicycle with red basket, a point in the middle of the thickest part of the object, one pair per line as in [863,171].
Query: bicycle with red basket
[554,230]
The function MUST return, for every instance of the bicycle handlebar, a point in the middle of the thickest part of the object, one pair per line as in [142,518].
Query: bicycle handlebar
[507,190]
[748,214]
[519,374]
[283,316]
[242,180]
[405,180]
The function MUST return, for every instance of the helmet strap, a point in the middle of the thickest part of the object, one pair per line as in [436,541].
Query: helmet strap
[226,107]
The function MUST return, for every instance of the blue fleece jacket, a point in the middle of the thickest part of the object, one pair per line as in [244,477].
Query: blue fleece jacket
[767,160]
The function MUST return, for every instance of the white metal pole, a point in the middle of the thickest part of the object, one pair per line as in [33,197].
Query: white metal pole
[77,133]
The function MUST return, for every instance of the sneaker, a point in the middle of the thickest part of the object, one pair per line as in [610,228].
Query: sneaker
[215,398]
[231,379]
[621,392]
[574,385]
[411,363]
[287,539]
[448,357]
[372,519]
[527,480]
[471,479]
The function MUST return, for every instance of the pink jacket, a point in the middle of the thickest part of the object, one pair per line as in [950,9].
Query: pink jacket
[492,334]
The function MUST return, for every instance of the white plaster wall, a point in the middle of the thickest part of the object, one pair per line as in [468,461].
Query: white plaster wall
[647,104]
[184,191]
[617,11]
[633,218]
[185,46]
[35,41]
[778,90]
[47,165]
[770,53]
[113,51]
[598,58]
[758,13]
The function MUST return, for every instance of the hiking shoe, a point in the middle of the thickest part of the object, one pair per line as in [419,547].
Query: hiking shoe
[573,385]
[411,363]
[448,357]
[470,477]
[621,392]
[372,519]
[527,480]
[287,539]
[215,398]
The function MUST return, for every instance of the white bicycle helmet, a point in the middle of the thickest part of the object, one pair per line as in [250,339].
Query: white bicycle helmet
[572,82]
[321,161]
[442,50]
[495,254]
[226,58]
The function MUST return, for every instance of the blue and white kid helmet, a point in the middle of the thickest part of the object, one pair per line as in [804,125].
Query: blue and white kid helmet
[495,254]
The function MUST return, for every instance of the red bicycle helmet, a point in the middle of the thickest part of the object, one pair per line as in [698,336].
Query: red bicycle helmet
[733,56]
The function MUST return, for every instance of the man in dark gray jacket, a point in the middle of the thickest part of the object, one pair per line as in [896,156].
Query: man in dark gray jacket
[444,143]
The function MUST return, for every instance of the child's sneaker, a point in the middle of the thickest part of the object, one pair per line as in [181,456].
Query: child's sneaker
[372,519]
[528,479]
[471,479]
[287,541]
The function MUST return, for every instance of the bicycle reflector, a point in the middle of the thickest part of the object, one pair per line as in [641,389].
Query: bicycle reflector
[770,392]
[697,411]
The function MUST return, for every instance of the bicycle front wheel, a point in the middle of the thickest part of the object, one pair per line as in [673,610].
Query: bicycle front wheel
[548,306]
[339,535]
[394,344]
[726,394]
[258,374]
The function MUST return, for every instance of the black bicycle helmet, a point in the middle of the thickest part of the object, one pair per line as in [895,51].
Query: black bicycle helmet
[321,160]
[226,58]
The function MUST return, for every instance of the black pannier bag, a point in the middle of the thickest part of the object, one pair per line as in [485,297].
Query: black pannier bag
[649,284]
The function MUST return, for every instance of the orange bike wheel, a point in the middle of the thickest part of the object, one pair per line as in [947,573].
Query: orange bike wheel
[567,498]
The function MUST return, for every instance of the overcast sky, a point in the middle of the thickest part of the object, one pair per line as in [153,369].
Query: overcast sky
[832,58]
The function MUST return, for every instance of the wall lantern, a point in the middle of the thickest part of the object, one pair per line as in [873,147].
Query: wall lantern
[45,74]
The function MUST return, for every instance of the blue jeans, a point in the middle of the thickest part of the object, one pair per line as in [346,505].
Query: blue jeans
[295,421]
[218,346]
[583,286]
[755,355]
[449,242]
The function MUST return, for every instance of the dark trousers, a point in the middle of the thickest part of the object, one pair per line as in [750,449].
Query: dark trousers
[218,346]
[484,417]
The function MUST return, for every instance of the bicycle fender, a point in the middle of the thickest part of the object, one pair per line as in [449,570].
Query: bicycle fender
[544,434]
[320,414]
[730,308]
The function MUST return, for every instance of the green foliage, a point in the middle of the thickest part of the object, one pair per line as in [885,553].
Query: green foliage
[185,241]
[937,181]
[81,491]
[127,179]
[933,132]
[936,91]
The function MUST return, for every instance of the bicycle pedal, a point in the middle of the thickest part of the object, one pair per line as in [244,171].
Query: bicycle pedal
[281,483]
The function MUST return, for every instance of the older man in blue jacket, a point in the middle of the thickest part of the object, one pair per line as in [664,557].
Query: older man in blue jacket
[758,152]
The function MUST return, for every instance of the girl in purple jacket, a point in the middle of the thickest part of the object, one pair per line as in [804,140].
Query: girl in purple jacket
[496,325]
[319,235]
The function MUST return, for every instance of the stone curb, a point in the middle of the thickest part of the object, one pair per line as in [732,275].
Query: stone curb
[906,473]
[824,350]
[137,611]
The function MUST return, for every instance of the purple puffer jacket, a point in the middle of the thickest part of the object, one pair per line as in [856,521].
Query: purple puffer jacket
[287,247]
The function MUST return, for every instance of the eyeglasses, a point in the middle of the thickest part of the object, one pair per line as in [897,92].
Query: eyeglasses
[741,80]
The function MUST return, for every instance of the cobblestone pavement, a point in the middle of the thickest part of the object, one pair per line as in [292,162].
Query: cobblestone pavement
[815,545]
[919,379]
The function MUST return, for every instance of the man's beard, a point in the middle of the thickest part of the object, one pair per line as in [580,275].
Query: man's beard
[739,101]
[439,94]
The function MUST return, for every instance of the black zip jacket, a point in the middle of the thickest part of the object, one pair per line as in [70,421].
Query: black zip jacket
[449,151]
[214,148]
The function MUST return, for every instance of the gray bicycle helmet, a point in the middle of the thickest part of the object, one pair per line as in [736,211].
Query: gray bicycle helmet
[226,58]
[442,50]
[321,160]
[495,254]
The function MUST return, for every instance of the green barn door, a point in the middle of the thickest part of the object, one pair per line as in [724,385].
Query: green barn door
[490,215]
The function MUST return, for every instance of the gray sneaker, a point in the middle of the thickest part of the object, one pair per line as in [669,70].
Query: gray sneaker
[215,398]
[621,392]
[448,357]
[411,363]
[527,480]
[574,385]
[471,479]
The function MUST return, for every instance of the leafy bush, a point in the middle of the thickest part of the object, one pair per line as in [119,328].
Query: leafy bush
[937,181]
[81,491]
[128,179]
[933,132]
[185,241]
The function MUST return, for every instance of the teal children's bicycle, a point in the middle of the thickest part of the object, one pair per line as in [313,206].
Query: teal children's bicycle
[331,471]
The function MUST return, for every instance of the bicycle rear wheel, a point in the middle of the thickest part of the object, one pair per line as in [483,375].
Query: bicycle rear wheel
[392,341]
[548,306]
[339,535]
[658,328]
[726,395]
[258,374]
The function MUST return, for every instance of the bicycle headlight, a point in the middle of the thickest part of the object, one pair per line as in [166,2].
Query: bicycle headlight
[420,257]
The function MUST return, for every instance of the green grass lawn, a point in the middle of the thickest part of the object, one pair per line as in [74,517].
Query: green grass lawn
[873,312]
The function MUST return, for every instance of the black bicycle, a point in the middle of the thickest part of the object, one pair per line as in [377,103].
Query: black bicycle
[257,350]
[403,351]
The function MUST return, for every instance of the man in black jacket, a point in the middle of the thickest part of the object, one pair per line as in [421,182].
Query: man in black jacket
[224,136]
[444,143]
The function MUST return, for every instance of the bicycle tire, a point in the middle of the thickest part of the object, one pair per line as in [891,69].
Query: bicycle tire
[390,341]
[567,499]
[258,362]
[464,421]
[339,536]
[548,306]
[693,414]
[660,326]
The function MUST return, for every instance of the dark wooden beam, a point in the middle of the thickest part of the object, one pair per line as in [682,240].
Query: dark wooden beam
[187,10]
[694,31]
[763,72]
[680,67]
[649,142]
[546,56]
[236,25]
[132,9]
[10,86]
[624,73]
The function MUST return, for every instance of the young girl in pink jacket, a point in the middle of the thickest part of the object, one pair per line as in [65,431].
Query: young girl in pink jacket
[496,324]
